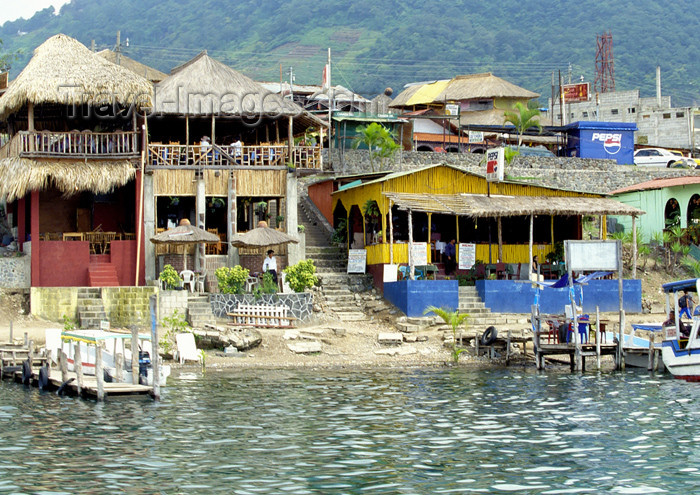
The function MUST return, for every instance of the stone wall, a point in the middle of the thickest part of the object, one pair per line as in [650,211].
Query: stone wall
[124,306]
[300,304]
[171,300]
[576,174]
[16,272]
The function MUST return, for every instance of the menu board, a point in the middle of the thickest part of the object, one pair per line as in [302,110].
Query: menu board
[357,260]
[467,256]
[419,253]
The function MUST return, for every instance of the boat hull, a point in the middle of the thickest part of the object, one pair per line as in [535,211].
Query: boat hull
[681,363]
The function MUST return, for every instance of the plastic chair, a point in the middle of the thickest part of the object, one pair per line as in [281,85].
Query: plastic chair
[480,271]
[501,271]
[187,277]
[186,348]
[516,275]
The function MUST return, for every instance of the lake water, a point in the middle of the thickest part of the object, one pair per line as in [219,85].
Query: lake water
[356,432]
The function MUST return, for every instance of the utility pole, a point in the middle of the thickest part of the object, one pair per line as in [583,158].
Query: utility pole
[291,82]
[569,73]
[118,47]
[330,114]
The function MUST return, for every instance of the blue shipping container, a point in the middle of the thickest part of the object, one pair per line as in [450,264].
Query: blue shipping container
[611,140]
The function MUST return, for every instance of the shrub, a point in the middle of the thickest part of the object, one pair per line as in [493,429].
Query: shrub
[170,278]
[268,286]
[174,324]
[301,276]
[231,280]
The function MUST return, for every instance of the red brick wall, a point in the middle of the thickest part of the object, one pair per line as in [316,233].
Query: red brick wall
[123,256]
[63,264]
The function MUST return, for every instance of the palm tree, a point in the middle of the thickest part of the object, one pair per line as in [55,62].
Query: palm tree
[522,117]
[454,319]
[379,140]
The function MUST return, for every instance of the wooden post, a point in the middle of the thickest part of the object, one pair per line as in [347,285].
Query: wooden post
[619,343]
[119,367]
[155,358]
[500,240]
[598,335]
[650,364]
[411,265]
[187,139]
[213,131]
[99,373]
[63,363]
[30,118]
[620,298]
[78,365]
[134,355]
[634,246]
[508,347]
[529,261]
[391,232]
[430,251]
[290,140]
[232,215]
[139,221]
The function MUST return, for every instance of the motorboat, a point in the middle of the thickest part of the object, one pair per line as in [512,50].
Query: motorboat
[112,344]
[681,355]
[637,348]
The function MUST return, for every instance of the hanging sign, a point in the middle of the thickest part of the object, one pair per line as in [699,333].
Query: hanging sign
[467,256]
[494,165]
[357,260]
[476,136]
[419,253]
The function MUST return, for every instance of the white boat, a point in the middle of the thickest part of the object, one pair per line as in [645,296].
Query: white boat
[681,356]
[112,343]
[636,348]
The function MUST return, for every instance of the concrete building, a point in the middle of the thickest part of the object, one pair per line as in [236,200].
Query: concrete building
[658,122]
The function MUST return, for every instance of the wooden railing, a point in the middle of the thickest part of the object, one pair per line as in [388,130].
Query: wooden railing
[78,144]
[197,156]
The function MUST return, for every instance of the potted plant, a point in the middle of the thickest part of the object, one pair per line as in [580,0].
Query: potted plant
[170,278]
[279,219]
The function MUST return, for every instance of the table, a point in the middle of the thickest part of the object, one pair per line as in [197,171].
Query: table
[73,236]
[552,271]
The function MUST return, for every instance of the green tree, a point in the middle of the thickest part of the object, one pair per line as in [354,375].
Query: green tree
[523,118]
[453,318]
[379,140]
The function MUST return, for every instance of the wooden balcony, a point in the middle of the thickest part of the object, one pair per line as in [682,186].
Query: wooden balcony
[77,144]
[180,156]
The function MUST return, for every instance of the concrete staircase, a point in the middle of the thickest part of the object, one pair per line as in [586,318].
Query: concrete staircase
[481,317]
[338,288]
[199,311]
[101,272]
[91,310]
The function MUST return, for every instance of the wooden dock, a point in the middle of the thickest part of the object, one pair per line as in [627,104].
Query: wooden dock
[577,353]
[14,355]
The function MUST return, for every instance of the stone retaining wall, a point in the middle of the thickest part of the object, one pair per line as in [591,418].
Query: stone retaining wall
[300,304]
[577,174]
[16,272]
[171,300]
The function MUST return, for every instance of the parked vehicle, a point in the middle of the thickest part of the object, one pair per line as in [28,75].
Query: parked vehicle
[538,151]
[660,157]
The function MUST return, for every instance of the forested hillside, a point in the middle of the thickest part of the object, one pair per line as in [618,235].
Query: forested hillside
[380,43]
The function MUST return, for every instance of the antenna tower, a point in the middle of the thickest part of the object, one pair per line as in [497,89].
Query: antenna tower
[604,64]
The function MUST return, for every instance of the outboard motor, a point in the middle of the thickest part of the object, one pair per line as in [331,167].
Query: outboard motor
[144,364]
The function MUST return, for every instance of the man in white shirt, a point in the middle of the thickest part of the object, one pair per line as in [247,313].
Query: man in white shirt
[270,265]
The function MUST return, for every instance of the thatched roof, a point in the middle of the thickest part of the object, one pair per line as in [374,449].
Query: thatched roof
[204,86]
[185,234]
[262,236]
[466,87]
[149,73]
[64,71]
[19,176]
[475,205]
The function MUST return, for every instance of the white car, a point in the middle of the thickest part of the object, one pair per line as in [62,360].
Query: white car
[659,157]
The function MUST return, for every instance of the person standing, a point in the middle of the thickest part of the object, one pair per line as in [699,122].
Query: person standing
[270,265]
[449,255]
[686,303]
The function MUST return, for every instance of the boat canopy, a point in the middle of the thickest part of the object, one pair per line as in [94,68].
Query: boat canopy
[94,336]
[690,284]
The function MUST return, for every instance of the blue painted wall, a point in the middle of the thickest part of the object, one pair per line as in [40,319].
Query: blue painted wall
[509,296]
[413,296]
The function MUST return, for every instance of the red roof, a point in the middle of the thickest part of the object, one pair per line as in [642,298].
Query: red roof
[659,184]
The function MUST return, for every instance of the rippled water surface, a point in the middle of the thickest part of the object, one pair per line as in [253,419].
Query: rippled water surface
[384,432]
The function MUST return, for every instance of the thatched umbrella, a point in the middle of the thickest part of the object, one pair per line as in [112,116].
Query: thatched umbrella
[261,236]
[185,234]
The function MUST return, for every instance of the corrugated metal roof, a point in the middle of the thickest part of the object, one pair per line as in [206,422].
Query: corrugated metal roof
[438,138]
[660,184]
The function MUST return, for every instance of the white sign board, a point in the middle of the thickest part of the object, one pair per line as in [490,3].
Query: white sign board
[419,253]
[357,261]
[452,109]
[494,165]
[592,255]
[467,256]
[391,273]
[476,137]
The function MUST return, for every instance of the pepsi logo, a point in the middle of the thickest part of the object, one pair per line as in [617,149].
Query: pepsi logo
[611,142]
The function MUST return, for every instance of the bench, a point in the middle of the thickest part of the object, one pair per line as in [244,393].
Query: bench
[259,315]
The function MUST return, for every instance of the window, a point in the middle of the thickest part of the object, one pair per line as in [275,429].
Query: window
[585,115]
[614,111]
[667,115]
[631,110]
[645,116]
[573,115]
[680,115]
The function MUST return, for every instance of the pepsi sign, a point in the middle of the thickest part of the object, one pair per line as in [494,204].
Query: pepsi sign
[612,143]
[607,140]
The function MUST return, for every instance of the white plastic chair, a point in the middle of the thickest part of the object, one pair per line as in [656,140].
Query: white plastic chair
[53,342]
[186,348]
[251,283]
[187,277]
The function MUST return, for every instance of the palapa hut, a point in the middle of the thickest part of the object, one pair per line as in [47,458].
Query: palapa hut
[134,66]
[220,151]
[506,221]
[69,171]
